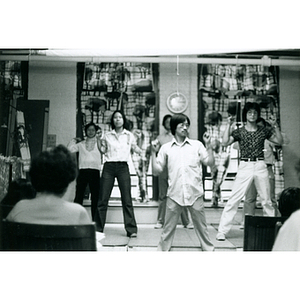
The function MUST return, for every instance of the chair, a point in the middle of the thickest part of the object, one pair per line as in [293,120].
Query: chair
[259,232]
[42,237]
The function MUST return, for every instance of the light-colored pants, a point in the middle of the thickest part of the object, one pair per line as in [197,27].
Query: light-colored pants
[250,198]
[249,172]
[173,211]
[162,201]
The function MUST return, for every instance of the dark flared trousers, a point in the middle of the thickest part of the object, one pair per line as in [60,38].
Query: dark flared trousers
[119,170]
[89,177]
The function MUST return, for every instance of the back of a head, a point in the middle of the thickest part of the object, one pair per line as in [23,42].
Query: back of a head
[52,171]
[289,201]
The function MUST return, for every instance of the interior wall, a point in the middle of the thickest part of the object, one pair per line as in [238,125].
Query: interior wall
[56,82]
[289,84]
[187,85]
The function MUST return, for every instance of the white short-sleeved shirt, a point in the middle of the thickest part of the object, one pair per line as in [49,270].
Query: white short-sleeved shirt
[183,162]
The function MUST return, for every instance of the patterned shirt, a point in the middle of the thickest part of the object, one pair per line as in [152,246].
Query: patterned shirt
[183,162]
[251,142]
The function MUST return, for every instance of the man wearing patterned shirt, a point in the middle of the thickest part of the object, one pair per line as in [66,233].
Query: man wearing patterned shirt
[252,168]
[183,158]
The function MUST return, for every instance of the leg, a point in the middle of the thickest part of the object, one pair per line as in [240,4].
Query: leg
[108,179]
[199,220]
[173,211]
[82,181]
[94,184]
[241,184]
[261,180]
[124,183]
[162,196]
[250,199]
[272,190]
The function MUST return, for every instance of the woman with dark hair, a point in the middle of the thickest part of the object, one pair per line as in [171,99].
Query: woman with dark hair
[52,175]
[252,167]
[117,145]
[89,165]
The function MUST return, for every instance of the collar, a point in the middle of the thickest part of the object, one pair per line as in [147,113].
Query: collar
[187,140]
[124,131]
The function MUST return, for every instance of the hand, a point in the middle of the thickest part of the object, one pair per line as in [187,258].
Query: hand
[77,139]
[155,145]
[230,120]
[272,120]
[206,138]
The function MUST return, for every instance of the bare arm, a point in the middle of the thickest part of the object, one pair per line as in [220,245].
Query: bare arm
[277,137]
[156,168]
[227,138]
[211,158]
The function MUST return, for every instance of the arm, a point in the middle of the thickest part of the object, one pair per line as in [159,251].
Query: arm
[156,167]
[227,138]
[211,158]
[72,146]
[277,137]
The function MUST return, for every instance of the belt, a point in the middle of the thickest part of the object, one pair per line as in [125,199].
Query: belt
[252,159]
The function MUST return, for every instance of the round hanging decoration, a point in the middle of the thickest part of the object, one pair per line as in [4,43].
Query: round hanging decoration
[177,103]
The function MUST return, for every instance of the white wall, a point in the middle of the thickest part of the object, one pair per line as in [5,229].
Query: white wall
[290,121]
[187,85]
[56,81]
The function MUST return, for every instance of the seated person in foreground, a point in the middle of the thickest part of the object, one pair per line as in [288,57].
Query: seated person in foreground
[289,201]
[288,238]
[52,175]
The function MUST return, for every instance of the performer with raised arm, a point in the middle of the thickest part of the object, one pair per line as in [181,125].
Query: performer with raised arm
[252,168]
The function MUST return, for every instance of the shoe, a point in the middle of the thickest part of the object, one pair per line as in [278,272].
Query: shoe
[158,226]
[132,235]
[189,226]
[220,236]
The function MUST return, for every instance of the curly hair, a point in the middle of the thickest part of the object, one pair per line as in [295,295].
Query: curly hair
[87,126]
[52,171]
[247,107]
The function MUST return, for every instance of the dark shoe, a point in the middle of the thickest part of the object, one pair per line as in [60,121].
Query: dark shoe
[189,226]
[132,235]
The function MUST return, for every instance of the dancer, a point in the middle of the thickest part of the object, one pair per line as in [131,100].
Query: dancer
[252,167]
[183,158]
[117,145]
[89,165]
[251,195]
[164,138]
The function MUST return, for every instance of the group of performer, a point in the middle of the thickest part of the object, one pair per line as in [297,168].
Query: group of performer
[178,160]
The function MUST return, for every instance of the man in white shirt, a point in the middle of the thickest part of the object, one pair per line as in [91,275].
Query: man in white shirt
[183,158]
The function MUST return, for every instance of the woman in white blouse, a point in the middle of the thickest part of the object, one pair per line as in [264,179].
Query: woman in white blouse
[89,165]
[116,145]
